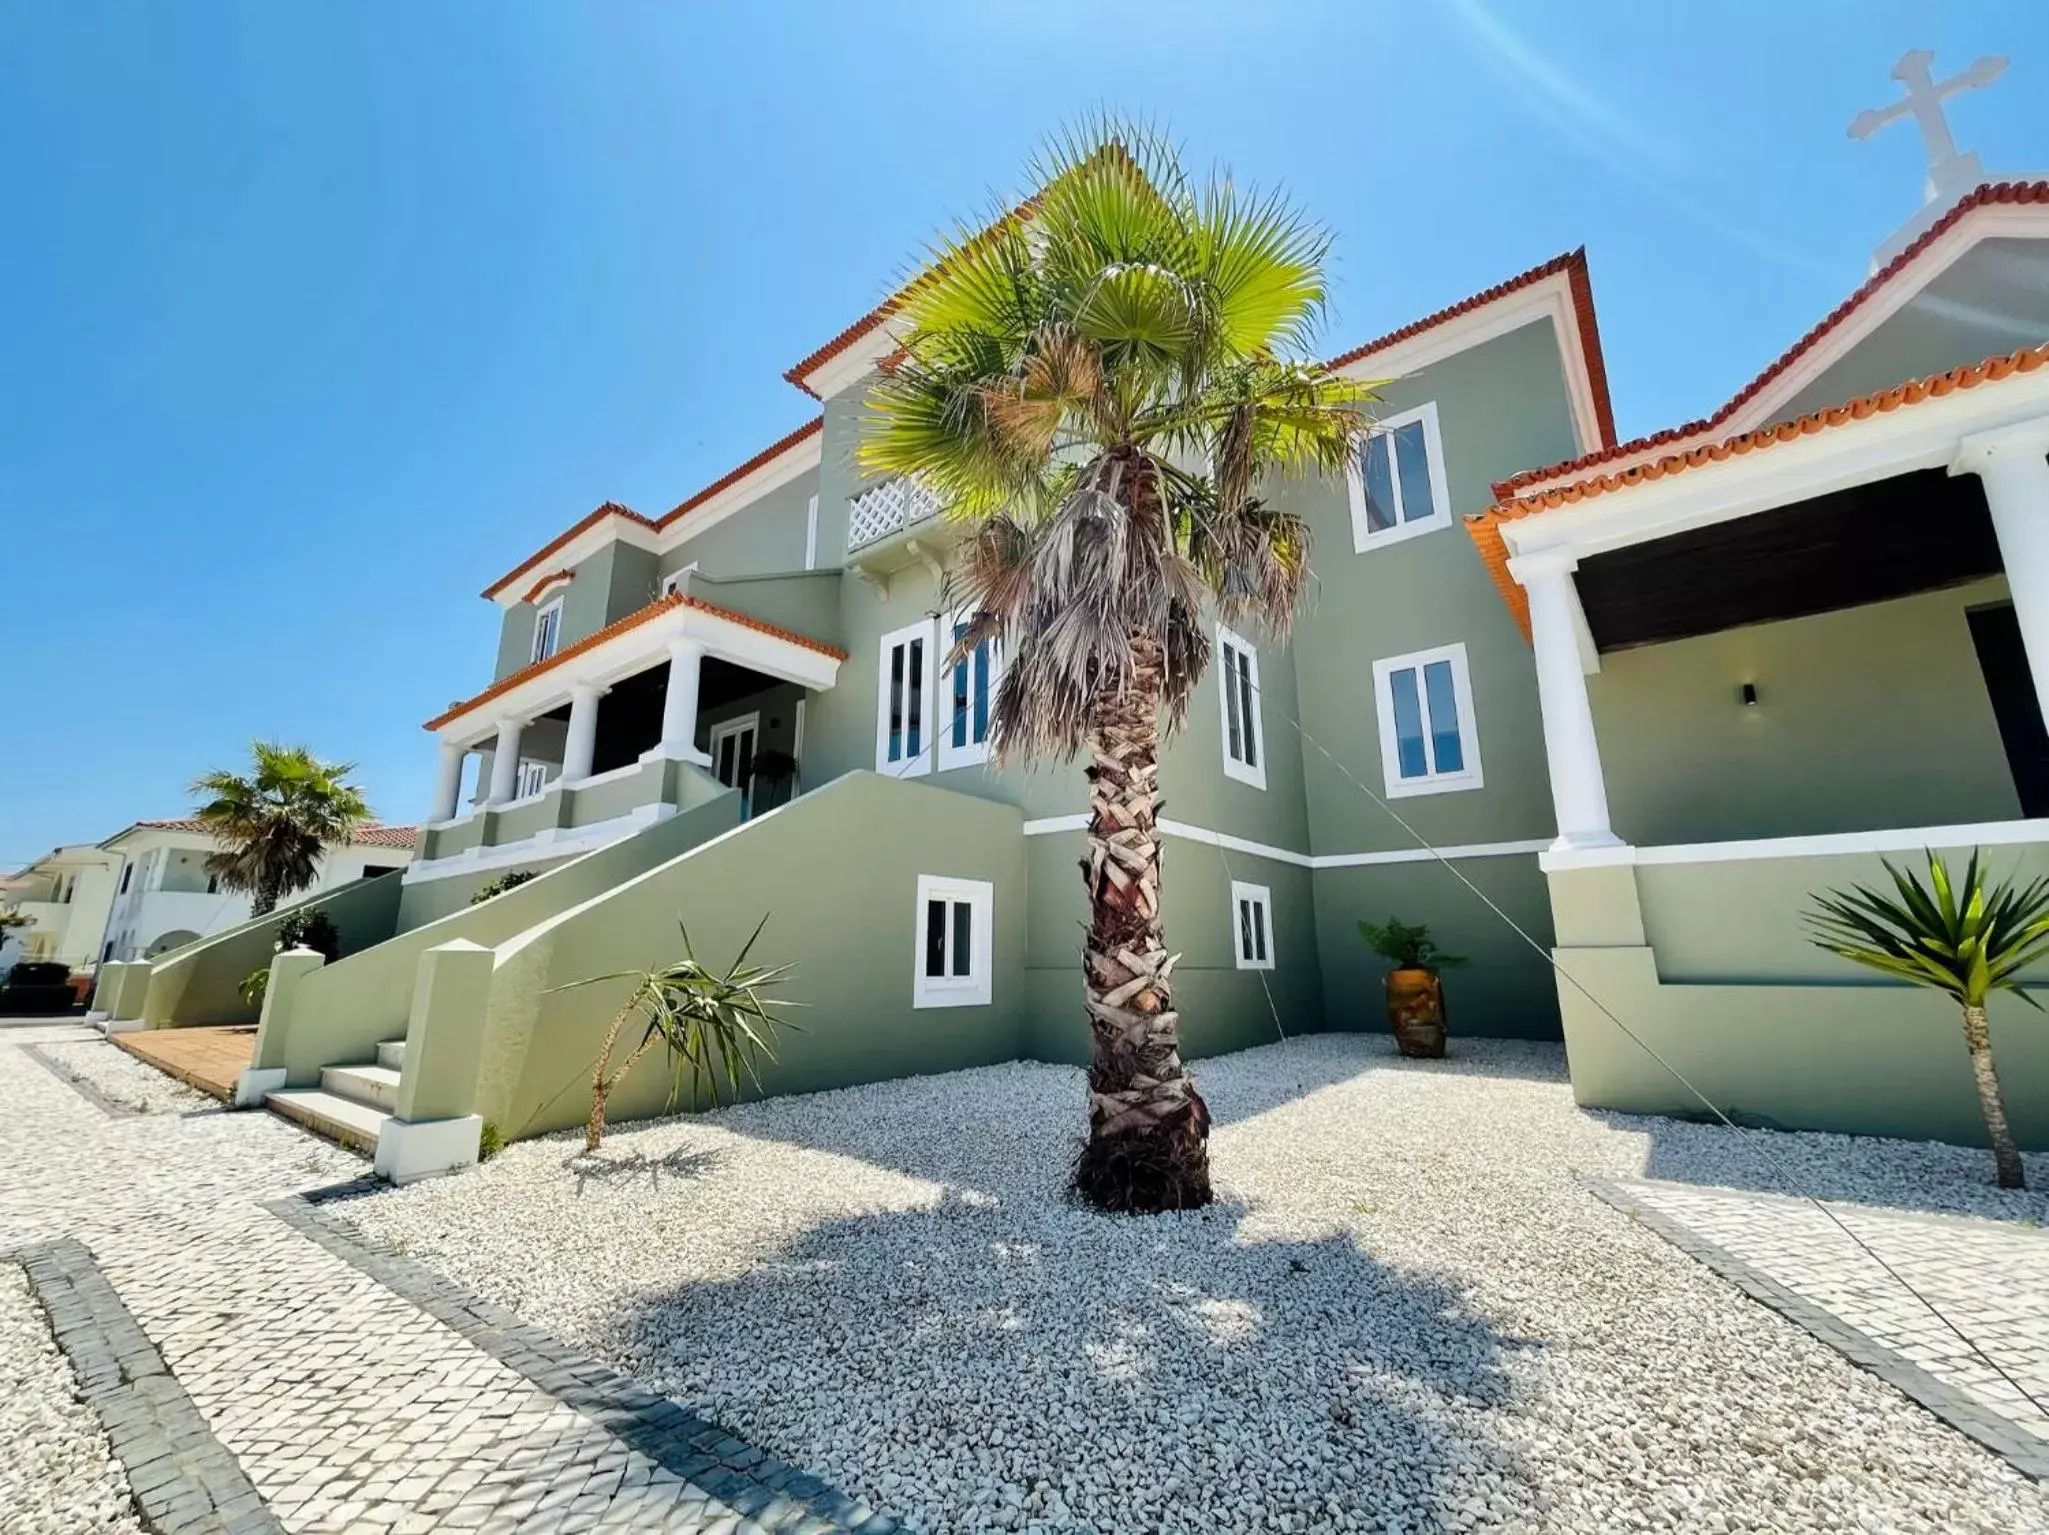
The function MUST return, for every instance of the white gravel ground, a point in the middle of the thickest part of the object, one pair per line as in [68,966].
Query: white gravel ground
[122,1078]
[57,1476]
[1406,1314]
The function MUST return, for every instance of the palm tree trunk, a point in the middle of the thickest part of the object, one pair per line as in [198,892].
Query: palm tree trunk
[2006,1156]
[1148,1127]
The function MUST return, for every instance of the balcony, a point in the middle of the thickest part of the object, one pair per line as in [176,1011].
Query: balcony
[893,507]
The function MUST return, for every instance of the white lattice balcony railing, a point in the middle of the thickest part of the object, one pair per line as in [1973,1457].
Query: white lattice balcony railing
[889,508]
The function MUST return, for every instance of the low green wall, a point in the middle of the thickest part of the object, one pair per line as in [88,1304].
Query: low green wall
[616,797]
[521,822]
[447,841]
[202,982]
[1841,1050]
[835,872]
[342,1012]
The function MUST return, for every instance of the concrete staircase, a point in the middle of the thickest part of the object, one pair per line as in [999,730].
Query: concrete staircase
[351,1104]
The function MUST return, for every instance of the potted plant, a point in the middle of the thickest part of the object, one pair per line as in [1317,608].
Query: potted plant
[1415,992]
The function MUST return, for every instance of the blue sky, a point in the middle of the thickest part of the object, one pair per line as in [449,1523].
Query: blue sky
[315,318]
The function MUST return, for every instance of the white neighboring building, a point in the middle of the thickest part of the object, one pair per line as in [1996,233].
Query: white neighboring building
[164,898]
[66,895]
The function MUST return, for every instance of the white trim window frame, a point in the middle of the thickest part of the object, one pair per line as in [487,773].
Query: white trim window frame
[953,960]
[530,778]
[1421,751]
[1252,925]
[906,700]
[1389,458]
[547,629]
[734,730]
[1239,716]
[968,697]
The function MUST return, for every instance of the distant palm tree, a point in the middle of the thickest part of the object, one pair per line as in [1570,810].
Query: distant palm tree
[273,825]
[1062,370]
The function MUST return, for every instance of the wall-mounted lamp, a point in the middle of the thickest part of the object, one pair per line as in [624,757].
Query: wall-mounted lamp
[1748,693]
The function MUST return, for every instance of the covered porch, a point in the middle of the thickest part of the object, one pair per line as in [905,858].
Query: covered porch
[1764,667]
[670,706]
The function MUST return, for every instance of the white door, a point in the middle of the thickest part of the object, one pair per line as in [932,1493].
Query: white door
[732,756]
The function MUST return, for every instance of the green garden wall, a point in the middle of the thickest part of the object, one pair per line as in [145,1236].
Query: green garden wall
[202,982]
[1871,718]
[342,1012]
[836,873]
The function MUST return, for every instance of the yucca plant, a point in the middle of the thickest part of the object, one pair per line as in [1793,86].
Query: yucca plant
[1965,941]
[714,1025]
[1104,383]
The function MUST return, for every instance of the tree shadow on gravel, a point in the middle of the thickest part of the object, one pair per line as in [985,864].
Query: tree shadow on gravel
[681,1164]
[978,1350]
[1251,1082]
[1848,1169]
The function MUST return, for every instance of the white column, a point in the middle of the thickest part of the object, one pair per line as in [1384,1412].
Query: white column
[448,786]
[2013,463]
[1579,795]
[505,762]
[583,731]
[679,706]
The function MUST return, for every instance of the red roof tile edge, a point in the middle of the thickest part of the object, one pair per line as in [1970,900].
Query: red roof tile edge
[608,509]
[617,627]
[371,834]
[2000,193]
[1485,527]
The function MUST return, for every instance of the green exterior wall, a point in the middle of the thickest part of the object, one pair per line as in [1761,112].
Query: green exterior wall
[202,982]
[767,536]
[861,843]
[1869,718]
[1841,1052]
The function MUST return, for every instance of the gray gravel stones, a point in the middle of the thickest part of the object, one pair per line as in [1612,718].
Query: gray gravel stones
[57,1474]
[1406,1313]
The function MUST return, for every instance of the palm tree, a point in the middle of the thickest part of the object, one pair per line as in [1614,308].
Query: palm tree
[273,825]
[1061,370]
[1966,943]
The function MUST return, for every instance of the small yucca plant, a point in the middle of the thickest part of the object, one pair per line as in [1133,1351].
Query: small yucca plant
[1965,941]
[713,1024]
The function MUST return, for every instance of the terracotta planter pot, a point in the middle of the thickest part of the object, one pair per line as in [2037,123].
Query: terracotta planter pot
[1415,1011]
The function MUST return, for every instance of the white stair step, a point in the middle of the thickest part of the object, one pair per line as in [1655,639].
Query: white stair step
[373,1086]
[392,1053]
[355,1125]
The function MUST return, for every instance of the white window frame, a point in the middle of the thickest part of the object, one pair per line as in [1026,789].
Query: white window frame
[919,763]
[739,724]
[542,614]
[530,778]
[1254,772]
[977,987]
[1433,782]
[1262,898]
[1363,536]
[975,752]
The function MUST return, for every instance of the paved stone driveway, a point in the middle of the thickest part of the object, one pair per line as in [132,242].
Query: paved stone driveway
[348,1405]
[1990,1277]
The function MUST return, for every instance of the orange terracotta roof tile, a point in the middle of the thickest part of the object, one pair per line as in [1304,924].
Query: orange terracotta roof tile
[370,834]
[620,626]
[2003,193]
[1485,527]
[1574,265]
[732,477]
[609,509]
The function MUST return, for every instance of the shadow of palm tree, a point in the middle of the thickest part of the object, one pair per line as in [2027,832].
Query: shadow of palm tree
[628,1167]
[1099,1372]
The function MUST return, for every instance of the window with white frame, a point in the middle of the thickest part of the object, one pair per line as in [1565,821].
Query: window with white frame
[1244,737]
[532,778]
[548,630]
[1396,480]
[970,694]
[904,688]
[1252,925]
[955,923]
[1428,742]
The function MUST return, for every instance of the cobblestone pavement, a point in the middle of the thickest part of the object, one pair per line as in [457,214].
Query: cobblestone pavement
[1991,1278]
[345,1404]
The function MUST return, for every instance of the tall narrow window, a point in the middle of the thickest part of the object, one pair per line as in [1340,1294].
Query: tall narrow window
[970,692]
[1428,743]
[548,630]
[532,778]
[1396,483]
[904,688]
[1244,737]
[955,942]
[1252,925]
